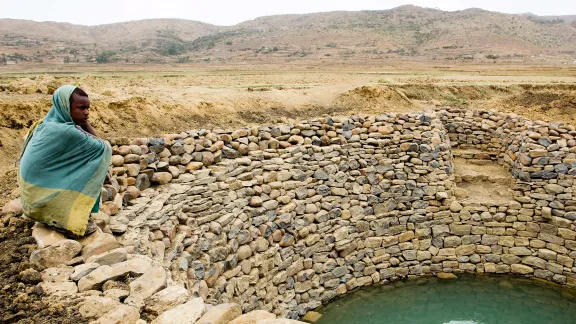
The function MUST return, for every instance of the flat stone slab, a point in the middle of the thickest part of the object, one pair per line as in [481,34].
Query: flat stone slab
[253,317]
[166,299]
[220,314]
[122,314]
[57,254]
[82,270]
[101,243]
[45,236]
[110,257]
[187,313]
[150,283]
[59,289]
[94,306]
[94,280]
[60,274]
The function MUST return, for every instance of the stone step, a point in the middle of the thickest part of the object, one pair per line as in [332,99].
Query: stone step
[473,154]
[471,178]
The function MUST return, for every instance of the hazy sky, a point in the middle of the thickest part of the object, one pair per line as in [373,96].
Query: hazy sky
[230,12]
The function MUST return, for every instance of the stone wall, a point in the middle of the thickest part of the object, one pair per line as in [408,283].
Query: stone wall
[283,229]
[542,156]
[287,217]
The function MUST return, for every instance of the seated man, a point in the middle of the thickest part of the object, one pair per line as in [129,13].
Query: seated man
[63,165]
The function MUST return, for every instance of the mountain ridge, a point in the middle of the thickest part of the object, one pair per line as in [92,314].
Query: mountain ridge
[405,32]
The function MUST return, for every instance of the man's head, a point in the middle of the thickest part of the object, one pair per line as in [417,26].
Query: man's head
[79,107]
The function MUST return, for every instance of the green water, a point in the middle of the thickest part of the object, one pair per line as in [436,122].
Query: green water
[467,300]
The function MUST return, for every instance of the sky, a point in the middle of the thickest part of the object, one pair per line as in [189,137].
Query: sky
[230,12]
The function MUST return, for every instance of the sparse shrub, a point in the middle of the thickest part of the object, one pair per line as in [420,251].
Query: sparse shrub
[331,44]
[492,56]
[228,43]
[105,57]
[173,48]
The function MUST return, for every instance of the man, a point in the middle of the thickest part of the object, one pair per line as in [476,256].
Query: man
[63,165]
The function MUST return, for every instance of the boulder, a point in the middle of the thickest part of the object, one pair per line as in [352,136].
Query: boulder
[150,283]
[187,313]
[45,236]
[59,253]
[59,289]
[253,317]
[109,258]
[60,274]
[117,160]
[94,280]
[117,294]
[82,270]
[161,178]
[94,306]
[103,242]
[221,314]
[13,207]
[521,269]
[455,207]
[446,275]
[311,317]
[121,314]
[166,299]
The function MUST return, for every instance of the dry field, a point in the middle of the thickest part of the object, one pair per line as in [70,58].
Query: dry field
[147,101]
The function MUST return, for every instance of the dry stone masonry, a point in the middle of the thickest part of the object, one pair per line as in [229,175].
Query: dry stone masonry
[274,221]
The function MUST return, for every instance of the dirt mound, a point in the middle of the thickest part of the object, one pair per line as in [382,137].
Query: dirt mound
[554,103]
[451,94]
[544,101]
[375,98]
[21,301]
[40,84]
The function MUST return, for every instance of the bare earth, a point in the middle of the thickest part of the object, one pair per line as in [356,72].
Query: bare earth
[147,101]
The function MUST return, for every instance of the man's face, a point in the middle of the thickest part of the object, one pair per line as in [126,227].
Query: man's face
[80,109]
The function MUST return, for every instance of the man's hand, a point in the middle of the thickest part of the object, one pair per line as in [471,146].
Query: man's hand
[89,129]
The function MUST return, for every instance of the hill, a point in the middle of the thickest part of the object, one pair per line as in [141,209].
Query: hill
[406,32]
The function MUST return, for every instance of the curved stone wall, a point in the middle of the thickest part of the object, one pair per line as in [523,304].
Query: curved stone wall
[283,229]
[284,218]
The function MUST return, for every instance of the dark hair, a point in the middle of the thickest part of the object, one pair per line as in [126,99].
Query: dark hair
[79,92]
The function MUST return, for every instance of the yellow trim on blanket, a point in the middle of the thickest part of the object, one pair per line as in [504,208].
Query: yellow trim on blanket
[57,207]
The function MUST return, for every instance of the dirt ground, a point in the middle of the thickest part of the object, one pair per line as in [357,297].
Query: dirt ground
[132,101]
[20,300]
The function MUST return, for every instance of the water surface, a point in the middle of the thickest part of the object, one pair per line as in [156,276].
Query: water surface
[466,300]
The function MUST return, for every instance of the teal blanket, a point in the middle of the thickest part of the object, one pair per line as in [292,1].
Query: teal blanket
[62,168]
